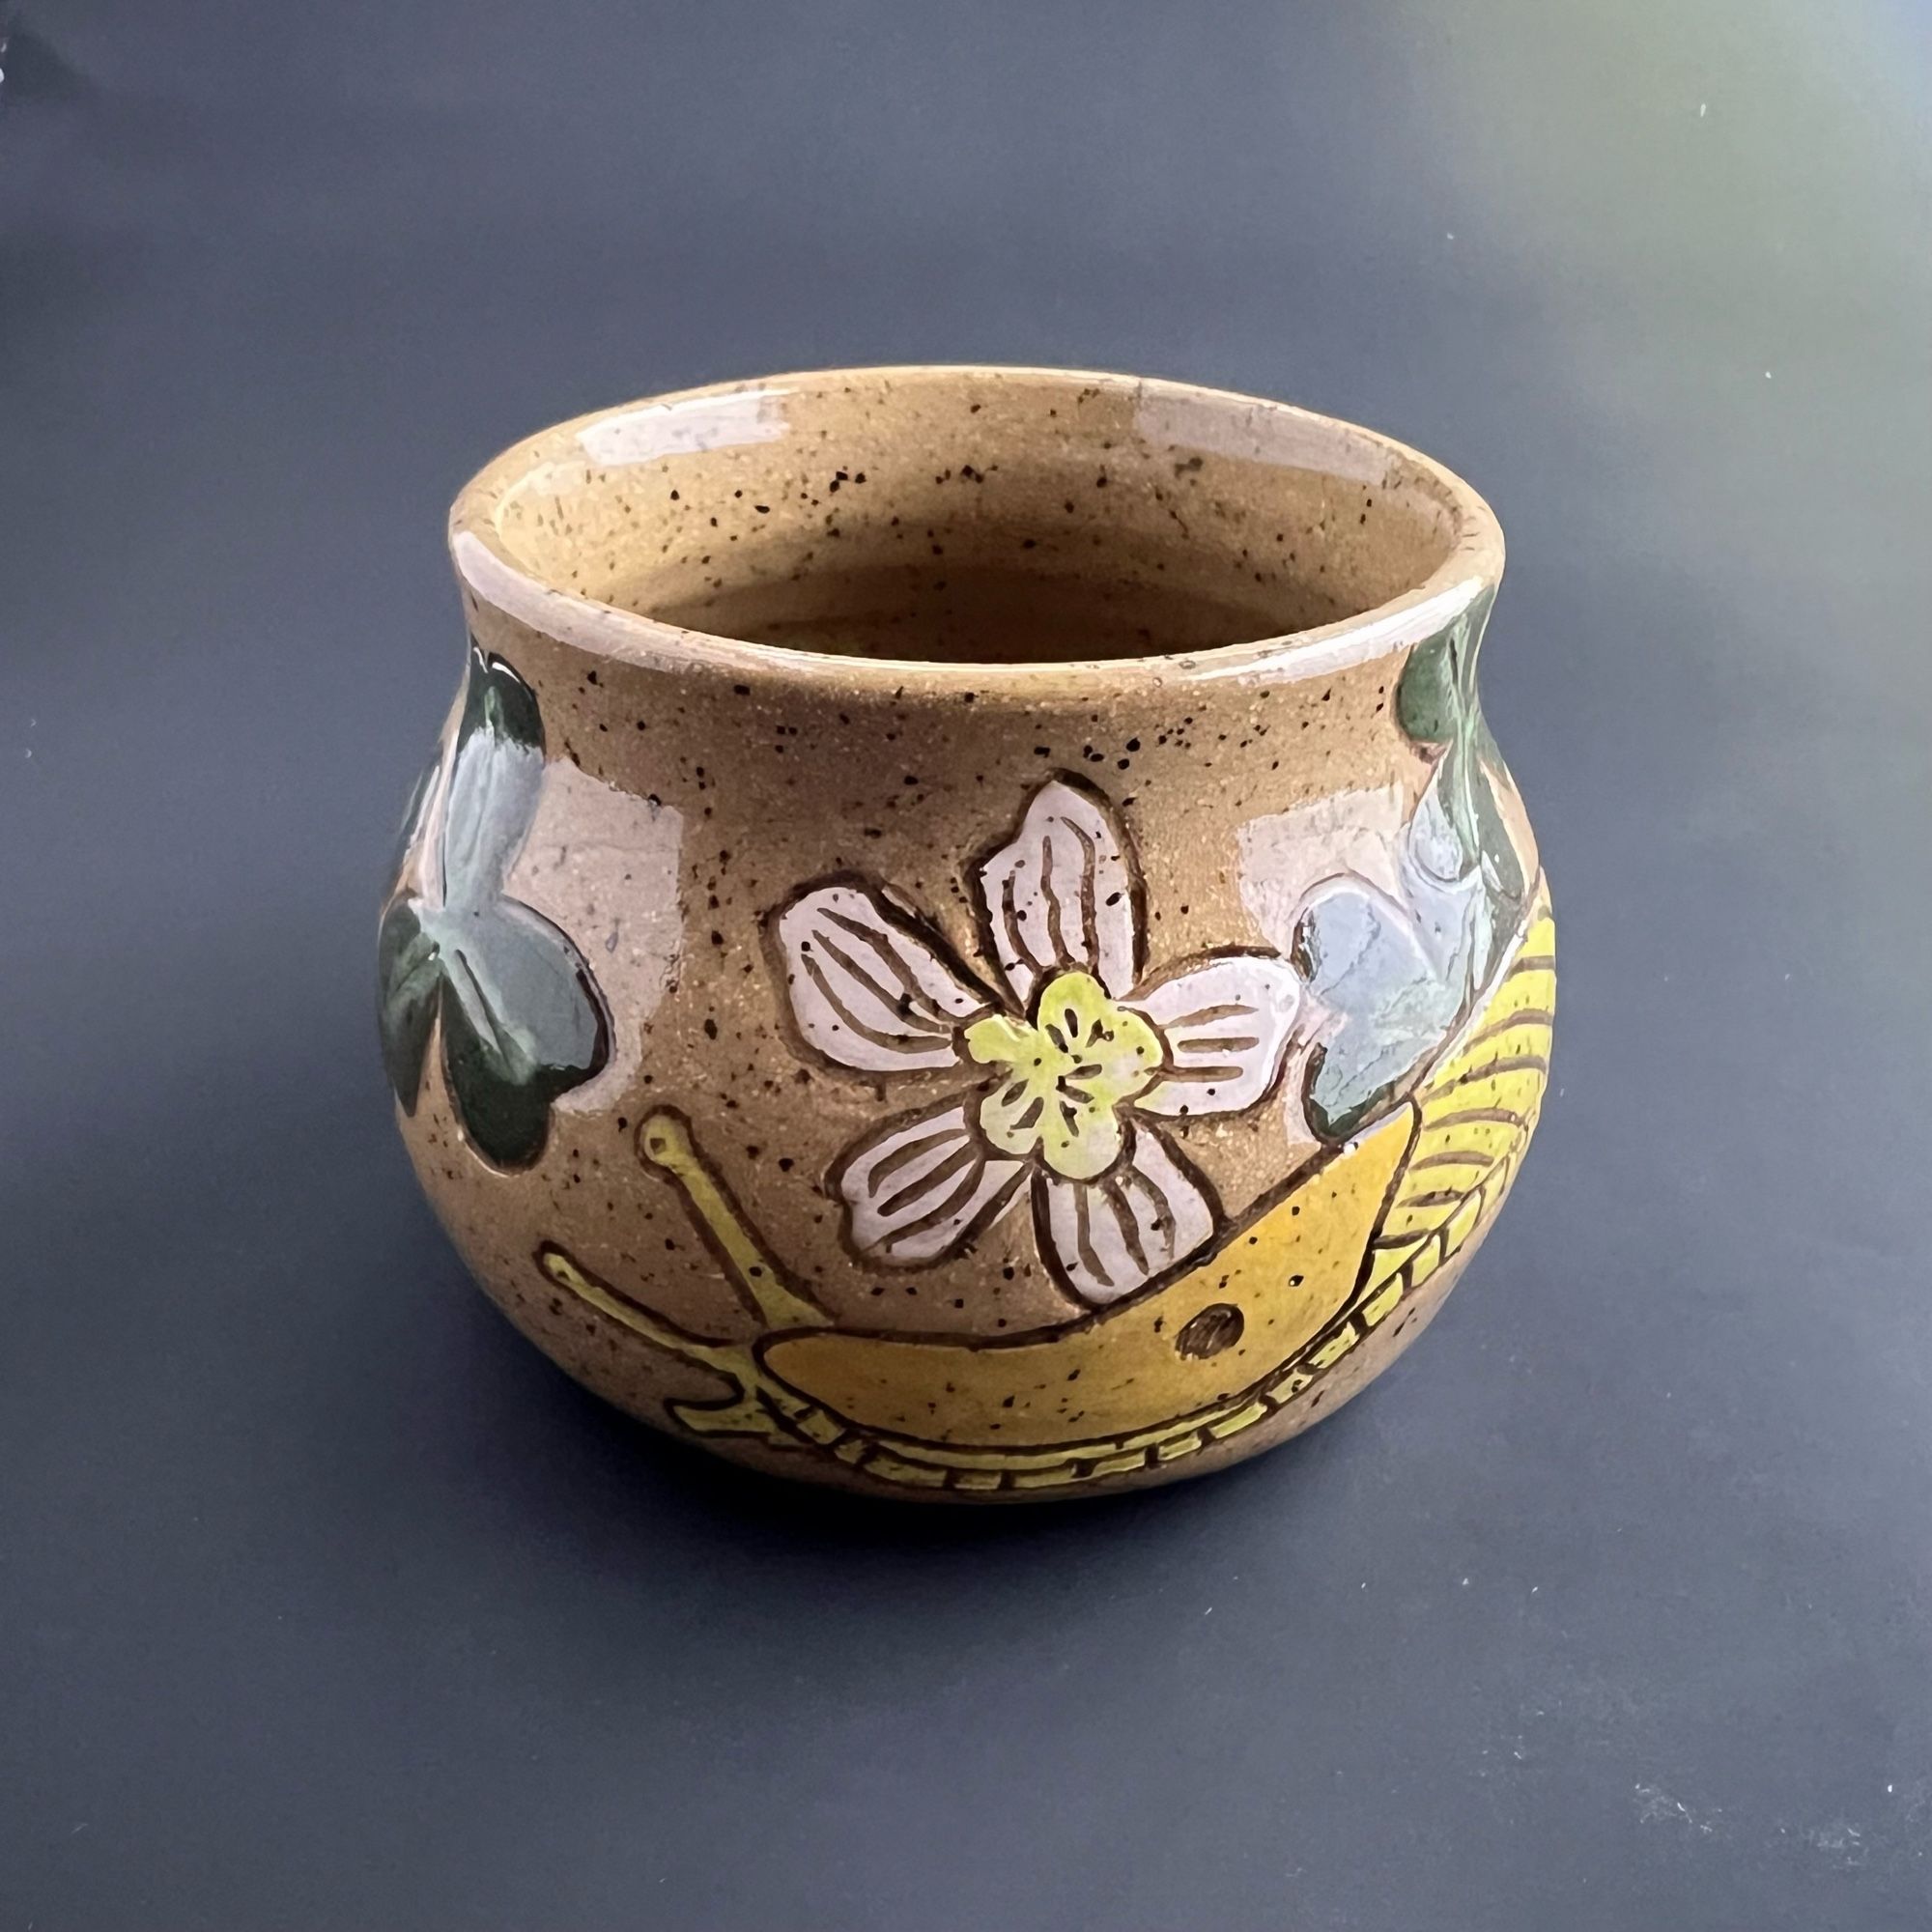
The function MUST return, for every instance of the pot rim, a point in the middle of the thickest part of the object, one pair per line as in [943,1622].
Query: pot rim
[491,571]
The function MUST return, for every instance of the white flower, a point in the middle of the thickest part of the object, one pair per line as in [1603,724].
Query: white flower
[1083,1053]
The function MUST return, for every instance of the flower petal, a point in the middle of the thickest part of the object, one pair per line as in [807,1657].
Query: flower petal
[870,987]
[1060,894]
[1107,1238]
[925,1186]
[1028,1117]
[1227,1023]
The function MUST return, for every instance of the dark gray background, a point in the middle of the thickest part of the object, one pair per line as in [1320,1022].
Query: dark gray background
[327,1603]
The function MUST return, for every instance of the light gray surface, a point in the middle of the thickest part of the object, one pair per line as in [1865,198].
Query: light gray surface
[326,1602]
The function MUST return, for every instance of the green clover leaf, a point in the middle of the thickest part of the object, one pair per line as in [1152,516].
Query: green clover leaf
[1436,703]
[1396,974]
[520,1016]
[1391,1004]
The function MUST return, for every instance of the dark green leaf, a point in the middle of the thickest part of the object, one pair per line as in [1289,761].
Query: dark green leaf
[494,777]
[1427,700]
[520,1018]
[409,975]
[1502,869]
[522,1023]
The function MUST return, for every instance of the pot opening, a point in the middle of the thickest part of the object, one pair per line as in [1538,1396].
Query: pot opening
[975,516]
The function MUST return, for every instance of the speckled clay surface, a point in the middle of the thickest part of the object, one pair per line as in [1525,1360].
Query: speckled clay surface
[966,936]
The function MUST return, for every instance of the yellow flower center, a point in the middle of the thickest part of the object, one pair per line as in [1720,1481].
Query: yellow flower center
[1069,1070]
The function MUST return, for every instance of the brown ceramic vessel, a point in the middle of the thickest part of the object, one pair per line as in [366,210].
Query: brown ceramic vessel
[966,937]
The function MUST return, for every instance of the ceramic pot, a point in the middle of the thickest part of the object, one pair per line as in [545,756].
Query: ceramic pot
[966,936]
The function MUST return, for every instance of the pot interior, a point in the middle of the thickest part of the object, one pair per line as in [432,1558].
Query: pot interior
[977,515]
